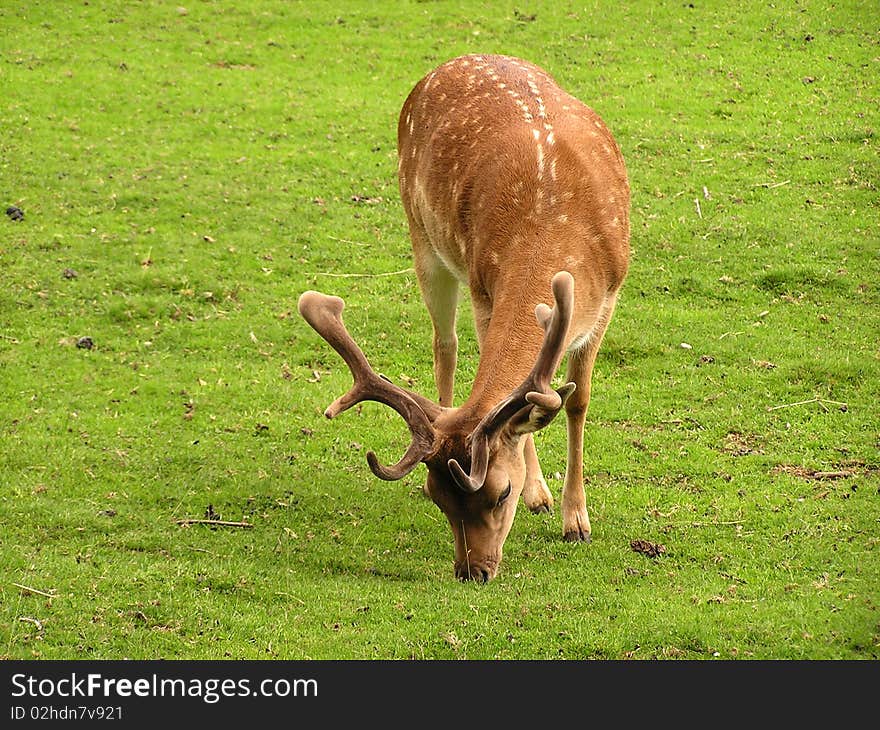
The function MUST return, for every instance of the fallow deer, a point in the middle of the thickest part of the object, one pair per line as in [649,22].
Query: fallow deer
[518,191]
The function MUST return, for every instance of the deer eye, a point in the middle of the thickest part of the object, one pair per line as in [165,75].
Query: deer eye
[504,495]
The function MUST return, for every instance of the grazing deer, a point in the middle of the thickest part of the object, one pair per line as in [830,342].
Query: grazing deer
[518,191]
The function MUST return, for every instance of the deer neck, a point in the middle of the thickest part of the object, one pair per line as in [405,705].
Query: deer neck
[509,348]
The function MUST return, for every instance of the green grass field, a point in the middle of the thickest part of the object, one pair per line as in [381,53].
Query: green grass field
[186,172]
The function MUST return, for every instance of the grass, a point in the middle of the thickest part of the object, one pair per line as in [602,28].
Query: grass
[185,173]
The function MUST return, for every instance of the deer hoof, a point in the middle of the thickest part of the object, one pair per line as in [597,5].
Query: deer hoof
[537,496]
[575,525]
[576,536]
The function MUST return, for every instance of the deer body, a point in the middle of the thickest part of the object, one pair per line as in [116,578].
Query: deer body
[517,191]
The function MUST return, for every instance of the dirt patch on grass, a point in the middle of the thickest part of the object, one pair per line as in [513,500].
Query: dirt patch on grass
[646,547]
[741,444]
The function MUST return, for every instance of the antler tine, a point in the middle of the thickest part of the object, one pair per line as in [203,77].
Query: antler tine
[555,324]
[535,390]
[324,314]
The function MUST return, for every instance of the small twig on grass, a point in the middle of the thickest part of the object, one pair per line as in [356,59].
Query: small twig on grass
[804,473]
[35,621]
[364,276]
[289,595]
[771,185]
[34,590]
[345,240]
[219,523]
[681,422]
[845,474]
[717,523]
[820,401]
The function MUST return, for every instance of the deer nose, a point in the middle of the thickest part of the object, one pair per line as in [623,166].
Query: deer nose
[478,573]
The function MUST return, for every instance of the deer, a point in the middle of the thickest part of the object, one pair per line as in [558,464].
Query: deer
[516,191]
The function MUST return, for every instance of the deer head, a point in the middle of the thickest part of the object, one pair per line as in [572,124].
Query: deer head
[474,454]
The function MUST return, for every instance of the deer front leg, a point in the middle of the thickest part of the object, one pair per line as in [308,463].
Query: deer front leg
[575,520]
[440,294]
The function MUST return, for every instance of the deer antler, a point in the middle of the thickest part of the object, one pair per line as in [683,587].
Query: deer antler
[534,403]
[324,314]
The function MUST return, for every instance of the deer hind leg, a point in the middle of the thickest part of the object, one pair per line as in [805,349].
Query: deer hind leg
[575,520]
[536,495]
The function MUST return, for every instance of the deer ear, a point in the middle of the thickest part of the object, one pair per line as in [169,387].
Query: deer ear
[541,409]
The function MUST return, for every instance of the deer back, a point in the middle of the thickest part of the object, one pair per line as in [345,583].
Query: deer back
[510,177]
